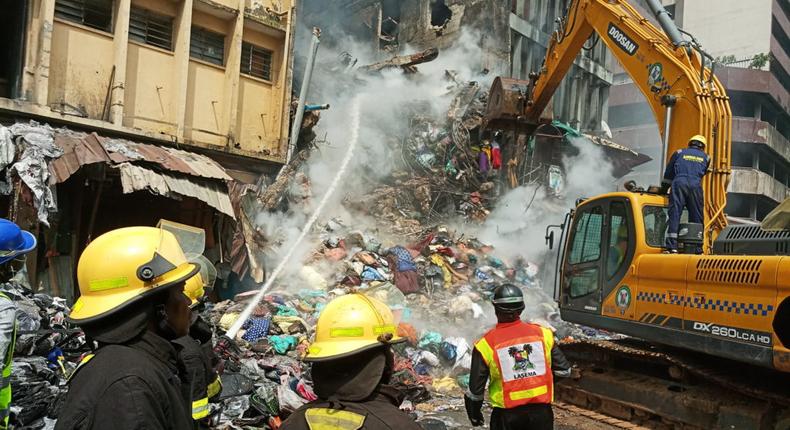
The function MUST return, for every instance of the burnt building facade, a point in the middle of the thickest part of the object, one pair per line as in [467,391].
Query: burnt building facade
[513,36]
[582,98]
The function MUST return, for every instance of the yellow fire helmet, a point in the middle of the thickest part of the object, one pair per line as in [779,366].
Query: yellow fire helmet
[194,289]
[203,281]
[350,324]
[125,265]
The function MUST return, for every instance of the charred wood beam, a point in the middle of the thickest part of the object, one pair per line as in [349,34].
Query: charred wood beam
[406,62]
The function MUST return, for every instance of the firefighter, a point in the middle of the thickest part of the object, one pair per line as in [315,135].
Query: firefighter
[14,242]
[351,366]
[196,355]
[518,358]
[132,305]
[684,175]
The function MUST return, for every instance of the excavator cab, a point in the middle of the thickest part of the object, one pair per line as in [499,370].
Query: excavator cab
[600,247]
[614,276]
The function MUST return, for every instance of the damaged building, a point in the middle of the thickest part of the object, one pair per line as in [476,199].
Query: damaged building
[513,37]
[392,27]
[112,108]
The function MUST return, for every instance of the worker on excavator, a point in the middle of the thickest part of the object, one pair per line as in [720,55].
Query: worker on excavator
[352,365]
[683,176]
[132,304]
[617,250]
[14,242]
[519,359]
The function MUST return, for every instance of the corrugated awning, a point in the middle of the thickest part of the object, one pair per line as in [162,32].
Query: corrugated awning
[164,171]
[137,178]
[83,149]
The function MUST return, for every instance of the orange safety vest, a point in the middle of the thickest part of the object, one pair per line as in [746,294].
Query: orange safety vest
[518,356]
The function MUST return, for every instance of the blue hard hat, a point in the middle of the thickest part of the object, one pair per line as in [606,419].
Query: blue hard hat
[14,241]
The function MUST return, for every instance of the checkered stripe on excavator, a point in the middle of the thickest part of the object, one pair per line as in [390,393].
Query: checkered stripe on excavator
[759,309]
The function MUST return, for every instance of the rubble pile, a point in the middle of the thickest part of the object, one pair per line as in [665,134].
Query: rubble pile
[441,169]
[47,350]
[438,288]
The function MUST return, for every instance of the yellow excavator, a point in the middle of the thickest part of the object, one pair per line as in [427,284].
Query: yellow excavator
[731,301]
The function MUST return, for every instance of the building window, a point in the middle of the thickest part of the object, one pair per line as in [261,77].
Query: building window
[256,61]
[586,242]
[92,13]
[207,46]
[655,218]
[151,28]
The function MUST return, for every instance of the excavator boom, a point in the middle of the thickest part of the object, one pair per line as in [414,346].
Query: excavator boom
[685,96]
[734,303]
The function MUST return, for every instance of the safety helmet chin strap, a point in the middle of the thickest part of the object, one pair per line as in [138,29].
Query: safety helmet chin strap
[163,323]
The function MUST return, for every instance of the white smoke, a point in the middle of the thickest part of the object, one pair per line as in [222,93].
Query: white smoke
[384,100]
[515,227]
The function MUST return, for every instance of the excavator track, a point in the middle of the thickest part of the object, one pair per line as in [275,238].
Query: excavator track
[665,388]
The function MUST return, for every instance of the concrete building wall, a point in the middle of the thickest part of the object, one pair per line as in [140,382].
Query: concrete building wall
[728,27]
[150,97]
[73,73]
[79,81]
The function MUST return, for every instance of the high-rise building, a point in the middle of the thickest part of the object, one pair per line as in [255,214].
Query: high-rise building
[750,42]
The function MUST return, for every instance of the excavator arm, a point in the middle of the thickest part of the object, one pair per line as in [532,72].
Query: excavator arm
[685,96]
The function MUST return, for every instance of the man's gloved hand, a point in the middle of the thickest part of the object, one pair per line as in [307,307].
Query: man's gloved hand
[576,373]
[474,410]
[664,190]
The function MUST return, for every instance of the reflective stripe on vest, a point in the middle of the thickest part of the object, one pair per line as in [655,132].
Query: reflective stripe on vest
[332,419]
[518,356]
[200,408]
[5,391]
[214,388]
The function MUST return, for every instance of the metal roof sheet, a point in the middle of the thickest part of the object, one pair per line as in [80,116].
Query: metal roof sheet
[82,149]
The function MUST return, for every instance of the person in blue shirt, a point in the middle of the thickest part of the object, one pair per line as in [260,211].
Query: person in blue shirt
[14,243]
[684,175]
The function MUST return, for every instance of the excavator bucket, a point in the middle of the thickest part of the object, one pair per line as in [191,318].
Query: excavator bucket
[779,218]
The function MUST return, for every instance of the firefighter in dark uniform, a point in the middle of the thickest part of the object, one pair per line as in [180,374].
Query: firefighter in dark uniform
[196,356]
[684,175]
[351,367]
[132,303]
[520,359]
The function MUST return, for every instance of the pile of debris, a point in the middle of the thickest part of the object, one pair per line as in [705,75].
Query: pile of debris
[438,288]
[47,351]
